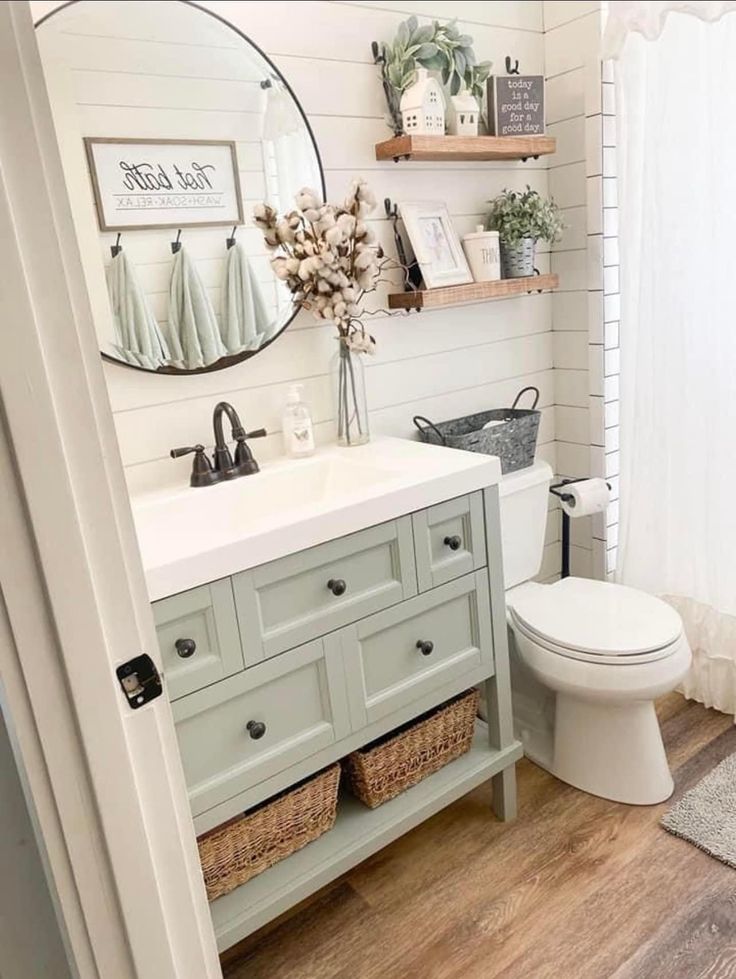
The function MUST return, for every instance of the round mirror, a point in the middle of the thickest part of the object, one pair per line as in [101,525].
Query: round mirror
[172,125]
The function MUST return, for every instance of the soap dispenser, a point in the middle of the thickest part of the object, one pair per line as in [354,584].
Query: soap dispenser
[297,425]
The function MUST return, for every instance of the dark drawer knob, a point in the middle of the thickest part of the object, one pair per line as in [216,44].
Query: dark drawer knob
[256,729]
[454,542]
[425,647]
[185,648]
[337,586]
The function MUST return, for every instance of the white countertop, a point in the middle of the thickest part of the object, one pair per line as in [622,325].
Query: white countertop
[191,536]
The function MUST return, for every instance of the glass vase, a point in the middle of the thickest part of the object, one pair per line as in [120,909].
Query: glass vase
[347,372]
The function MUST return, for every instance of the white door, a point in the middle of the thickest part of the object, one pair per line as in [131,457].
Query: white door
[106,781]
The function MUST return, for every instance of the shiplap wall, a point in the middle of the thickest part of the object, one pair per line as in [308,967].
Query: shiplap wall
[441,363]
[575,113]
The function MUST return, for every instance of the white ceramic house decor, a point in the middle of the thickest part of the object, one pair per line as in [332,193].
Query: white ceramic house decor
[464,113]
[423,106]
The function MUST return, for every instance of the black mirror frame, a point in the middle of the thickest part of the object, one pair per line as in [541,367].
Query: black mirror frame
[231,361]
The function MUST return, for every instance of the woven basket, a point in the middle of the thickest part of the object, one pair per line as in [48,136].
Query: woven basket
[386,768]
[244,847]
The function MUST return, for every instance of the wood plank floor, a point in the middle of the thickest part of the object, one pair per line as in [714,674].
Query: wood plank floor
[575,887]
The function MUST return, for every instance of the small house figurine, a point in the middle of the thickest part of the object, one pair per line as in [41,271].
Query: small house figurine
[464,112]
[423,107]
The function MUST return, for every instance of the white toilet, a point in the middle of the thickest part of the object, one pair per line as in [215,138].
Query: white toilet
[588,659]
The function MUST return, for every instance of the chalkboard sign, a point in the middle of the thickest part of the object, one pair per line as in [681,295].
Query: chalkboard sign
[516,105]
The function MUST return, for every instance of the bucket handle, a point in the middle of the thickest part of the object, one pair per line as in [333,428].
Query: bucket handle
[522,392]
[423,424]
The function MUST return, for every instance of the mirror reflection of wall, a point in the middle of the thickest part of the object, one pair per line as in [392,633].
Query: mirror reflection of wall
[165,92]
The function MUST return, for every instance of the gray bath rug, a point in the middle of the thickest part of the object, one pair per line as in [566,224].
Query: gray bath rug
[706,815]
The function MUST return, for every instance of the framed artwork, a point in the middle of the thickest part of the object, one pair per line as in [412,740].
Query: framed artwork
[436,244]
[167,183]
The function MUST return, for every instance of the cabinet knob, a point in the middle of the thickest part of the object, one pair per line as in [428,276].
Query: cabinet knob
[425,647]
[454,542]
[256,729]
[337,586]
[185,648]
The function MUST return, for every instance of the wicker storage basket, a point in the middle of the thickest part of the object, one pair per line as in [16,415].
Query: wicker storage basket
[244,847]
[382,770]
[513,438]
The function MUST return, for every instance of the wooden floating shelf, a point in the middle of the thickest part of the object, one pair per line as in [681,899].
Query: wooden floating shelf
[472,292]
[358,833]
[465,147]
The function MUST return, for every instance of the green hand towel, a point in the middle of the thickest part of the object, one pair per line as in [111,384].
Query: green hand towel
[194,334]
[139,339]
[246,323]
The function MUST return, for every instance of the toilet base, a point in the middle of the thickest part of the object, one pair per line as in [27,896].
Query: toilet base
[611,750]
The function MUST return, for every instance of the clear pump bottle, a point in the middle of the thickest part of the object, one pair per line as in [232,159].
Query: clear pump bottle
[297,425]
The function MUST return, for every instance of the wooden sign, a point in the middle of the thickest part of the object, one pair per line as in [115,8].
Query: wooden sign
[150,183]
[516,105]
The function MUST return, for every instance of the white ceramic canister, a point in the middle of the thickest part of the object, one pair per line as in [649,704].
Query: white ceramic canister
[483,253]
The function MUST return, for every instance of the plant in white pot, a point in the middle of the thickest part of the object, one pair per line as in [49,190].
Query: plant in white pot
[522,218]
[329,259]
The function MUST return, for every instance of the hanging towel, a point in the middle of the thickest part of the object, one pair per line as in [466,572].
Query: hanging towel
[139,339]
[194,335]
[245,321]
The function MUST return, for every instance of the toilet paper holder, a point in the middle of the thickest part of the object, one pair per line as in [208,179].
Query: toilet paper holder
[558,490]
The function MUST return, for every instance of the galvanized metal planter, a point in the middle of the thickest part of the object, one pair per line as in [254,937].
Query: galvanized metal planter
[517,260]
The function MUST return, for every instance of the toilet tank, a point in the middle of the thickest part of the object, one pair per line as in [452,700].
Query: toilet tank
[523,499]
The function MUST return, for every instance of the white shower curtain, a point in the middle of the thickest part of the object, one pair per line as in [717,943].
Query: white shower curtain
[676,100]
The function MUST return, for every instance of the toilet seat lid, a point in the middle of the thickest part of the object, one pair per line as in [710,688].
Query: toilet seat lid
[598,617]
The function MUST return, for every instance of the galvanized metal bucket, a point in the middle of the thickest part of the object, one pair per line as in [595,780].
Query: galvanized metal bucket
[513,437]
[517,260]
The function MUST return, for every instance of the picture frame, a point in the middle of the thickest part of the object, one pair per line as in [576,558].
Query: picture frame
[164,183]
[436,244]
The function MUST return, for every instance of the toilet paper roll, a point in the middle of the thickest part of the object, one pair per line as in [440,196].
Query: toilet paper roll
[588,496]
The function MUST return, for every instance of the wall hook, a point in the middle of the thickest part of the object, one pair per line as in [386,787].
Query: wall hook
[176,245]
[231,240]
[117,247]
[509,69]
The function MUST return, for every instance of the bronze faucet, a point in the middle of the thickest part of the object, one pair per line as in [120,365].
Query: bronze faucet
[223,466]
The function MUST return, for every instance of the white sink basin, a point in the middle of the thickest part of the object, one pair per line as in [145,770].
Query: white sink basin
[191,536]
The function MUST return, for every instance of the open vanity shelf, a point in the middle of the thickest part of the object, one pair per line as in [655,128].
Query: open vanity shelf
[472,292]
[465,148]
[357,834]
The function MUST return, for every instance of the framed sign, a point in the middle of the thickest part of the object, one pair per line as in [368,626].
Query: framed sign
[167,183]
[516,105]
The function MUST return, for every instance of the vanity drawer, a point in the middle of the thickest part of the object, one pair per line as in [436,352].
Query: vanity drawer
[313,592]
[449,540]
[397,656]
[198,636]
[255,725]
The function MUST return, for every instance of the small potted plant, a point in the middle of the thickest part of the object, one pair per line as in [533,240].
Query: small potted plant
[522,219]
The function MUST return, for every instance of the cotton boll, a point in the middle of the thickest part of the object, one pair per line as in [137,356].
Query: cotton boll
[334,236]
[307,199]
[346,222]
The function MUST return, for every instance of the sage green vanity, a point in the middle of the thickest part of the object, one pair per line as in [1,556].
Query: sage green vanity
[277,670]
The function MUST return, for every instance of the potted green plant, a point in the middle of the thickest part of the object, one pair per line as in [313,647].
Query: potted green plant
[440,48]
[522,218]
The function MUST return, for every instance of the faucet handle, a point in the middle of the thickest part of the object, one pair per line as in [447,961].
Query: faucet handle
[202,472]
[257,433]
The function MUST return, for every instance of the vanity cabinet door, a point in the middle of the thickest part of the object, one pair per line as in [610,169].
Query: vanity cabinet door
[438,639]
[198,636]
[313,592]
[449,540]
[256,724]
